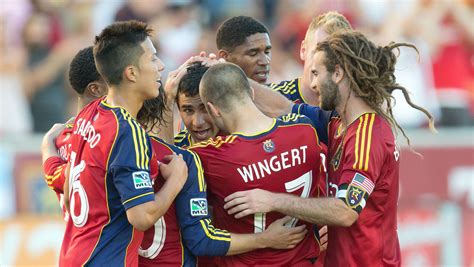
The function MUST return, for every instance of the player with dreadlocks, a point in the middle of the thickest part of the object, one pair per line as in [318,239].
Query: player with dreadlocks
[355,78]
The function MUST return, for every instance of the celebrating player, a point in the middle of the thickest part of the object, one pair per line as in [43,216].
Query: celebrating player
[354,77]
[88,84]
[199,125]
[299,90]
[245,42]
[110,191]
[258,154]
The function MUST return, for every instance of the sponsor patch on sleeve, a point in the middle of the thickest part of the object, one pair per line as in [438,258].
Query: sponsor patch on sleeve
[198,206]
[141,179]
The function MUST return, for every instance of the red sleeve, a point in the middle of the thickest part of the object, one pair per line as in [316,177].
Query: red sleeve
[361,163]
[54,173]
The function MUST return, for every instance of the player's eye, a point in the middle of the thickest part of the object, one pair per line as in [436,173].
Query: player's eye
[188,110]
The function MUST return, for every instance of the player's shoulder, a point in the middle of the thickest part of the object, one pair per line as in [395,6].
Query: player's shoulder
[277,86]
[215,143]
[294,119]
[182,139]
[371,126]
[163,148]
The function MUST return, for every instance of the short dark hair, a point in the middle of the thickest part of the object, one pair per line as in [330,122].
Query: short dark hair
[118,46]
[224,84]
[82,70]
[189,84]
[235,30]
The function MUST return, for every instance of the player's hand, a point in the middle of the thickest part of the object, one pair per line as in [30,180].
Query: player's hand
[175,170]
[54,132]
[279,236]
[174,77]
[323,238]
[48,146]
[248,202]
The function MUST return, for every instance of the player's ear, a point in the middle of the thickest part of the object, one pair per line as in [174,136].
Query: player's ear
[338,74]
[213,110]
[252,93]
[223,54]
[302,50]
[96,90]
[130,73]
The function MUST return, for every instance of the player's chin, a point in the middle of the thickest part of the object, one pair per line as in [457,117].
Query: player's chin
[260,78]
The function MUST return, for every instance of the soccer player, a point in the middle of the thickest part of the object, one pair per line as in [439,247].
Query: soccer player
[299,90]
[260,152]
[109,187]
[245,42]
[199,125]
[355,77]
[88,84]
[186,230]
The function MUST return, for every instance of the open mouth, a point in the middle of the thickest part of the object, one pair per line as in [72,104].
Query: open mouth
[202,135]
[262,76]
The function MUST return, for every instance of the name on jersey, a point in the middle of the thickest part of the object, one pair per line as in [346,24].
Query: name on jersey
[85,129]
[285,160]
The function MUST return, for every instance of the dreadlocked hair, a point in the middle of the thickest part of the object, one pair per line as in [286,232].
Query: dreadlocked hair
[370,71]
[150,116]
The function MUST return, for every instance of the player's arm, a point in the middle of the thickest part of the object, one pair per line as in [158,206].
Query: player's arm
[53,165]
[203,239]
[144,215]
[276,236]
[129,171]
[271,103]
[330,211]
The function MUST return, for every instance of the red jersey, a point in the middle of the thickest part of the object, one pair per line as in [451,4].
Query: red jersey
[110,164]
[363,172]
[54,167]
[284,159]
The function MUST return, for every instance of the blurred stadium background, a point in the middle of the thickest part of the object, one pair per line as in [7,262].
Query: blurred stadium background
[38,39]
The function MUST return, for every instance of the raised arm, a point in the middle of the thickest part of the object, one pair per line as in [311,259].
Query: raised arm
[270,102]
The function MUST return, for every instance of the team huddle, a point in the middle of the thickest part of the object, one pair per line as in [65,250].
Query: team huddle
[296,173]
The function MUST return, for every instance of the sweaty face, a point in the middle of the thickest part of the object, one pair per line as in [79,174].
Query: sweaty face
[195,118]
[149,71]
[323,84]
[253,56]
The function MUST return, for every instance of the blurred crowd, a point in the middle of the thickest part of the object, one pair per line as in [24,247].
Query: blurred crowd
[39,38]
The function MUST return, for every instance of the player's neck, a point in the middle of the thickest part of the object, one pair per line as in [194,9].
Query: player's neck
[83,101]
[125,99]
[249,120]
[354,109]
[309,96]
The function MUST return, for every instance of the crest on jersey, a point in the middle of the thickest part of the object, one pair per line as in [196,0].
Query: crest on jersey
[354,195]
[141,179]
[268,146]
[198,206]
[336,159]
